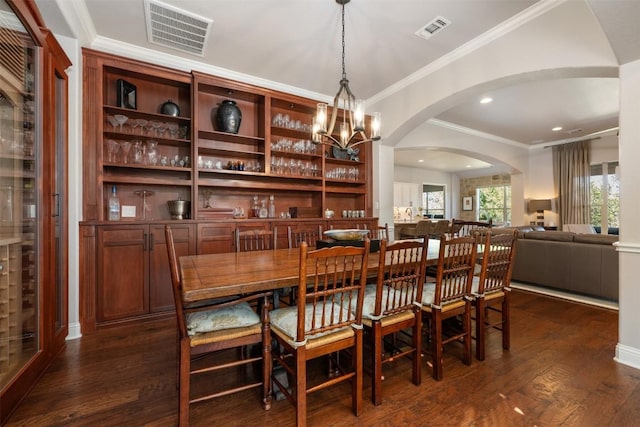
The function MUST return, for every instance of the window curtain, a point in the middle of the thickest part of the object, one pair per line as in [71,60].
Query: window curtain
[571,176]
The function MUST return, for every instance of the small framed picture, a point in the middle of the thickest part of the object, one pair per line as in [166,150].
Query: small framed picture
[467,203]
[126,95]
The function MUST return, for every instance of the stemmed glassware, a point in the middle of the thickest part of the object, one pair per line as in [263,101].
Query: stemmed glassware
[141,124]
[122,119]
[173,129]
[155,125]
[113,121]
[125,146]
[112,150]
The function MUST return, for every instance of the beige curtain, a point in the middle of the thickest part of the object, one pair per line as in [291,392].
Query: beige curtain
[571,175]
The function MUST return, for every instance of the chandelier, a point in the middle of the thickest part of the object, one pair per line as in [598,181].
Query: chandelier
[347,110]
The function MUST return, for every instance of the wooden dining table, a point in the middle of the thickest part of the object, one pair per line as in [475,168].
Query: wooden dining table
[233,273]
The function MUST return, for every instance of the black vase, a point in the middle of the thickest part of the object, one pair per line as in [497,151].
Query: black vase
[228,117]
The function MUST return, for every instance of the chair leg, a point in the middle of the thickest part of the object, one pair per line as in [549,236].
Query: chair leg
[436,343]
[184,374]
[416,341]
[480,328]
[466,357]
[376,359]
[506,324]
[356,382]
[267,360]
[301,388]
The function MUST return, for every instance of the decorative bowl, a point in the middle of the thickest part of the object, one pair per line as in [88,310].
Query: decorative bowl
[179,209]
[349,234]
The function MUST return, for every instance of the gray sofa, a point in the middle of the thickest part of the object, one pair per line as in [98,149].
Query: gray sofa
[584,264]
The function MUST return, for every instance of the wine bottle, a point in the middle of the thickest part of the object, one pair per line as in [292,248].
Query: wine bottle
[114,205]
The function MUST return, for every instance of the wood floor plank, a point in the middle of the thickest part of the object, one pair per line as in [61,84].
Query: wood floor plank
[559,371]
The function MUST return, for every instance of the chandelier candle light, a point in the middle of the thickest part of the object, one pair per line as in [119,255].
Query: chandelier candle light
[352,120]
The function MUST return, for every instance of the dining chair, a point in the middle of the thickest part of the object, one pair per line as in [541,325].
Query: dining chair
[441,228]
[256,240]
[448,298]
[310,236]
[322,323]
[223,324]
[423,228]
[390,315]
[490,291]
[460,227]
[380,232]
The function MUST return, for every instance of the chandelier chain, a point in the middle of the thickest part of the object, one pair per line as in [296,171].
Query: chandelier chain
[344,70]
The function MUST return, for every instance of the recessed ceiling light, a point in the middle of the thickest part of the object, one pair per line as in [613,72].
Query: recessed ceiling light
[468,166]
[486,100]
[557,128]
[420,161]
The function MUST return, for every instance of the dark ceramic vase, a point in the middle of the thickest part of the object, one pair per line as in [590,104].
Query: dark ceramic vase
[228,117]
[170,108]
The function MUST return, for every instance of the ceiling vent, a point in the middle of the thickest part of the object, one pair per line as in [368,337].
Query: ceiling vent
[430,29]
[175,28]
[572,131]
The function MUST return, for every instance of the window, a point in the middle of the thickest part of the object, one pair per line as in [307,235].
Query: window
[605,195]
[433,201]
[494,203]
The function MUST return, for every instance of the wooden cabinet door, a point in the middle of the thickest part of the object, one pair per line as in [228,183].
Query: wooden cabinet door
[215,238]
[160,287]
[123,268]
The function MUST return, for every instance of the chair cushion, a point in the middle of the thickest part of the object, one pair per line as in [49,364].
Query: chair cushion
[428,292]
[369,302]
[475,285]
[286,320]
[236,316]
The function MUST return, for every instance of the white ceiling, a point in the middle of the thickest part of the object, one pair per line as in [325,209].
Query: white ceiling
[296,44]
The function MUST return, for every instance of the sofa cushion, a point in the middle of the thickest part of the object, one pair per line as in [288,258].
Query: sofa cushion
[556,236]
[600,239]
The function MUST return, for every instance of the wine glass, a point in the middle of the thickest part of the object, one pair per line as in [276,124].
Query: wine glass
[155,125]
[141,124]
[113,121]
[122,119]
[112,150]
[173,129]
[125,146]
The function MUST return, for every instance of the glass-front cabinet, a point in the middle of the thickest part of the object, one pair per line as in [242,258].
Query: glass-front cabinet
[33,238]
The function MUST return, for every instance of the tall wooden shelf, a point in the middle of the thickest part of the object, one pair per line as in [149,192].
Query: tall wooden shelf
[271,153]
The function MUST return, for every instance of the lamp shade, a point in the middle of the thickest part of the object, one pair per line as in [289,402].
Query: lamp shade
[539,205]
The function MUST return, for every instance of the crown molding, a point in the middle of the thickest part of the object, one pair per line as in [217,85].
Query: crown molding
[115,47]
[516,21]
[78,19]
[476,133]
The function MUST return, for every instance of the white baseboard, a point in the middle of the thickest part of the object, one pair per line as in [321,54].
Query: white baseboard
[626,355]
[566,295]
[74,332]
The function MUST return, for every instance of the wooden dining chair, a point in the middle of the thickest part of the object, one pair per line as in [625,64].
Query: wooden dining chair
[460,228]
[222,324]
[390,315]
[491,290]
[331,281]
[310,236]
[448,298]
[379,232]
[256,240]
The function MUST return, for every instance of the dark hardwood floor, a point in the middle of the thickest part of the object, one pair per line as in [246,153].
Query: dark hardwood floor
[559,371]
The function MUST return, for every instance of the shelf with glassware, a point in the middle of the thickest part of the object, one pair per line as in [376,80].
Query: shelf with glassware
[143,134]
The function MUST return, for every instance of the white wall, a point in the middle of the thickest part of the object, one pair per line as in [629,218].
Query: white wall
[421,176]
[74,73]
[628,348]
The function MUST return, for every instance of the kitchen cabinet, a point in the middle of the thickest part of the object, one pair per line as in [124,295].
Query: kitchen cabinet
[133,270]
[407,194]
